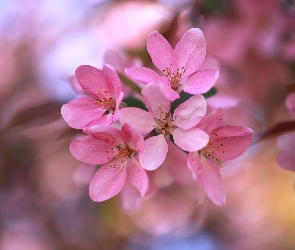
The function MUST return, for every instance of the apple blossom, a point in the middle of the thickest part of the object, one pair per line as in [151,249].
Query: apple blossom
[100,107]
[226,143]
[181,124]
[117,150]
[179,66]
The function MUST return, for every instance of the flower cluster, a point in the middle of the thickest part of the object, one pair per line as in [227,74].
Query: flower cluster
[136,141]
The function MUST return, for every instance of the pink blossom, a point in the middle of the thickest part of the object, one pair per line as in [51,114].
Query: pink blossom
[179,65]
[290,103]
[117,150]
[181,125]
[100,107]
[120,62]
[226,143]
[286,158]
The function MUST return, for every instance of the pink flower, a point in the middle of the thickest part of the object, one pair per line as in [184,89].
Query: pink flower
[181,125]
[290,103]
[286,158]
[179,66]
[100,107]
[226,143]
[117,149]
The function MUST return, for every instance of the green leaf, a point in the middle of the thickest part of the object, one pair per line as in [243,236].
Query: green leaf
[133,102]
[183,97]
[210,93]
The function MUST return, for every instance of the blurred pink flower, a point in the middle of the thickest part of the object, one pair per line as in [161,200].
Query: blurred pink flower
[112,147]
[226,143]
[179,65]
[286,158]
[76,85]
[100,108]
[180,124]
[290,103]
[120,62]
[119,28]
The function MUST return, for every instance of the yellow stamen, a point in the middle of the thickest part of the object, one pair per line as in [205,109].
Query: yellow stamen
[105,101]
[164,123]
[211,147]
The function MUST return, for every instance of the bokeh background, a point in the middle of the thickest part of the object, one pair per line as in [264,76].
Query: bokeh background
[44,202]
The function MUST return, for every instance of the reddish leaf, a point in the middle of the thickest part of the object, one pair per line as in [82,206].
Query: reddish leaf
[290,88]
[275,131]
[37,115]
[71,132]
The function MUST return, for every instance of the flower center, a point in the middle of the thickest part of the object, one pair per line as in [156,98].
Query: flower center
[165,123]
[174,77]
[211,147]
[123,152]
[105,100]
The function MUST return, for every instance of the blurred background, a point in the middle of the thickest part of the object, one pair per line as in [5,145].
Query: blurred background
[44,202]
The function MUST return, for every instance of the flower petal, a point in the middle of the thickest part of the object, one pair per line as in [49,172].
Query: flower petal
[119,99]
[224,101]
[287,141]
[138,178]
[110,135]
[290,103]
[212,121]
[176,163]
[76,85]
[209,175]
[128,197]
[106,183]
[167,90]
[286,159]
[190,51]
[139,119]
[190,140]
[113,82]
[155,100]
[105,120]
[200,82]
[234,139]
[90,150]
[142,75]
[72,111]
[112,57]
[91,79]
[154,153]
[160,50]
[190,112]
[132,137]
